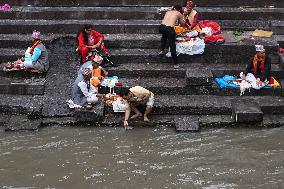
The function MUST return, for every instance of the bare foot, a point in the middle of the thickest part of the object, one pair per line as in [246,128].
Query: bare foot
[176,66]
[136,116]
[161,53]
[146,119]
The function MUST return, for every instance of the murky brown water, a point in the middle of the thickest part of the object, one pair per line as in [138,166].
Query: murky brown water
[83,158]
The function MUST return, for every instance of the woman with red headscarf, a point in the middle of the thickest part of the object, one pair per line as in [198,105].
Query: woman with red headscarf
[89,39]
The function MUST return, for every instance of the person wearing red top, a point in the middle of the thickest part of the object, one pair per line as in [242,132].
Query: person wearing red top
[191,16]
[89,39]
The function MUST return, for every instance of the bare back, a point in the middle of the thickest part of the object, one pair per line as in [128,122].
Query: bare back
[171,17]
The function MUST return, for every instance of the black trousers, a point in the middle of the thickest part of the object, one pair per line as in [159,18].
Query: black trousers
[168,34]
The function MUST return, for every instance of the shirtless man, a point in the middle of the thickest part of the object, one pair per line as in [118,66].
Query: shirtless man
[168,32]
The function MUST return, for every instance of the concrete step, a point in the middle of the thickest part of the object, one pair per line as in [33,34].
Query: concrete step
[204,121]
[212,105]
[19,26]
[227,3]
[22,86]
[170,86]
[145,41]
[138,13]
[221,54]
[280,40]
[277,27]
[30,105]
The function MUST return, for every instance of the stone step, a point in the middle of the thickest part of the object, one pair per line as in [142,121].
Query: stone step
[30,105]
[277,27]
[204,121]
[138,13]
[212,105]
[144,41]
[227,3]
[159,86]
[221,54]
[19,26]
[280,40]
[22,86]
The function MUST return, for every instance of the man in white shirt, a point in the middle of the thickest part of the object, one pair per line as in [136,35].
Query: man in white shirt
[83,93]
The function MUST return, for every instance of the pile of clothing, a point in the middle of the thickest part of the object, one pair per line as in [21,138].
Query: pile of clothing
[229,81]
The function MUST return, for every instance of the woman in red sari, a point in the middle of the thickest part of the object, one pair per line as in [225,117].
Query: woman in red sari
[191,15]
[89,39]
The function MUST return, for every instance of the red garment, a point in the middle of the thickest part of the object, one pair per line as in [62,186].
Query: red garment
[187,24]
[83,50]
[214,39]
[216,29]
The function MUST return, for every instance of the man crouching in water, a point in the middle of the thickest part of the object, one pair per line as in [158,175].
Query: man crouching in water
[168,32]
[135,96]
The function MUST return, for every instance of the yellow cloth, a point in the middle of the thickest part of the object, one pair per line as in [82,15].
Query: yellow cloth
[262,33]
[180,30]
[140,92]
[275,83]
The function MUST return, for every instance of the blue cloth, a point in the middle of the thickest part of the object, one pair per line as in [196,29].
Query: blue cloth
[227,82]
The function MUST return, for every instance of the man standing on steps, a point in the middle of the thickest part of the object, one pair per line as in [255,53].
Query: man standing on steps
[168,33]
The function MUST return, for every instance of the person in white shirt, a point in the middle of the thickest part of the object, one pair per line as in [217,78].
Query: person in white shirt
[83,93]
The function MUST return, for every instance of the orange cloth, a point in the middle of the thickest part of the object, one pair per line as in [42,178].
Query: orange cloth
[97,76]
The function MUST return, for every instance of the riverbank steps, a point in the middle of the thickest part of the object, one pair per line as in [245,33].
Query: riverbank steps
[186,98]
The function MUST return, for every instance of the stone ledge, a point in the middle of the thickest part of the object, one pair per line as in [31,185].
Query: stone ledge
[147,13]
[246,111]
[113,26]
[22,86]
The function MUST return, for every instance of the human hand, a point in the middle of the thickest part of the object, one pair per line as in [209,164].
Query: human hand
[258,81]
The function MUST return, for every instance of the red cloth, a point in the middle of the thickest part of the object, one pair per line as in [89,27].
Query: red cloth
[214,39]
[187,24]
[216,29]
[83,50]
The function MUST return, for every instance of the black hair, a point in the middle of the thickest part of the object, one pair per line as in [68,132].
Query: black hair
[123,91]
[85,35]
[177,7]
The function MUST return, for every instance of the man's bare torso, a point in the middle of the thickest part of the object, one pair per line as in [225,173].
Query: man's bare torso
[171,17]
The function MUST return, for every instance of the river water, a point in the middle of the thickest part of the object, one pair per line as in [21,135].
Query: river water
[100,157]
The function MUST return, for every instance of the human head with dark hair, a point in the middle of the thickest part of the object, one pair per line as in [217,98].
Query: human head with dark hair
[177,7]
[86,30]
[123,92]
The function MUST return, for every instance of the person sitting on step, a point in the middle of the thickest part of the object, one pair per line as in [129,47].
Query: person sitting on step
[98,73]
[135,96]
[89,39]
[258,69]
[191,16]
[83,93]
[35,59]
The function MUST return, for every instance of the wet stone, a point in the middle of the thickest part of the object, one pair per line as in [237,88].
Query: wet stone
[244,111]
[94,115]
[22,122]
[186,123]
